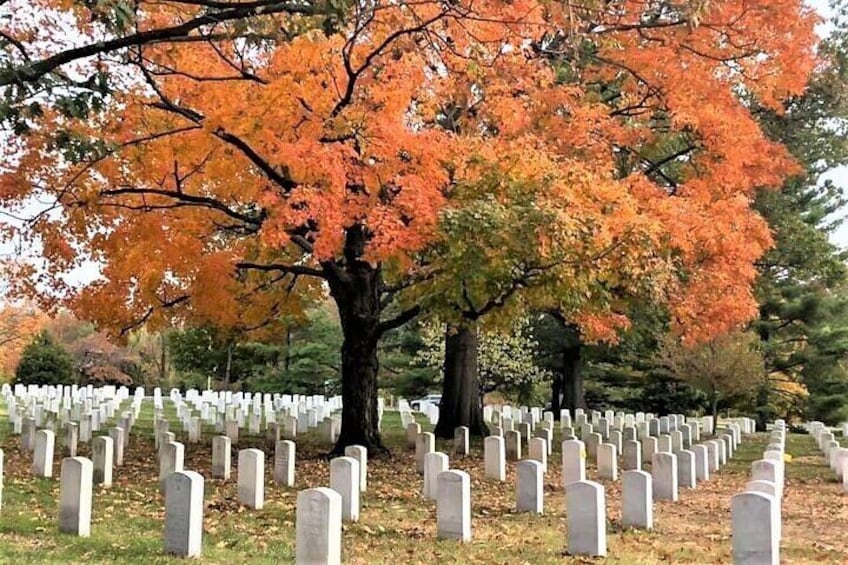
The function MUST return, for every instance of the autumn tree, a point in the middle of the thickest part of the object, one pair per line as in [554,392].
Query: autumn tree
[670,221]
[224,172]
[97,359]
[525,237]
[730,365]
[18,324]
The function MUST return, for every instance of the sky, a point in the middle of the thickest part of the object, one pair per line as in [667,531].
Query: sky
[840,235]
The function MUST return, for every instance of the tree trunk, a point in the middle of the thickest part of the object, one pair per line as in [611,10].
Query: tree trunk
[287,359]
[762,409]
[355,287]
[163,361]
[572,376]
[556,395]
[461,403]
[714,406]
[359,392]
[229,367]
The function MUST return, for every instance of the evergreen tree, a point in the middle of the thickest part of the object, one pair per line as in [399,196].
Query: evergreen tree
[803,321]
[45,362]
[400,370]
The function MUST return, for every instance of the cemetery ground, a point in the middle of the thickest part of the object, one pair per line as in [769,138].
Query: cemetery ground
[396,524]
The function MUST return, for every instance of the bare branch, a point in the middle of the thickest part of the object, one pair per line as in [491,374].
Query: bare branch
[399,320]
[219,12]
[140,321]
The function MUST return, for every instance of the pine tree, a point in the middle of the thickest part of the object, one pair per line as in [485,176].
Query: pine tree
[803,318]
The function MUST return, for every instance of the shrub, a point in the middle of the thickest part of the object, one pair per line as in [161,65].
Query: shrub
[45,362]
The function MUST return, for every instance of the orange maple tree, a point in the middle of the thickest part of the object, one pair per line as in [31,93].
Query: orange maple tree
[221,154]
[18,324]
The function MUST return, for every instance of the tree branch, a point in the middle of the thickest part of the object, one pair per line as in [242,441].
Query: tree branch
[188,199]
[291,269]
[139,322]
[399,320]
[219,12]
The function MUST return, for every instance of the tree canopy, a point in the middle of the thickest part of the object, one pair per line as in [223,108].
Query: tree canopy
[803,312]
[218,160]
[729,365]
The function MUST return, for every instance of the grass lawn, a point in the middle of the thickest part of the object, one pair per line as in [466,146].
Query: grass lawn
[397,525]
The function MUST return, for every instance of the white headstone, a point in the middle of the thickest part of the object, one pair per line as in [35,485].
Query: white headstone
[425,443]
[722,451]
[766,487]
[460,441]
[713,455]
[75,496]
[434,464]
[43,459]
[702,463]
[513,445]
[686,469]
[615,439]
[494,454]
[360,453]
[649,447]
[183,513]
[768,470]
[727,439]
[28,434]
[754,529]
[586,512]
[170,460]
[607,462]
[453,506]
[632,456]
[251,478]
[529,487]
[676,440]
[769,488]
[284,458]
[118,443]
[573,461]
[318,527]
[664,473]
[231,428]
[637,503]
[539,452]
[592,442]
[102,455]
[344,479]
[221,453]
[71,438]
